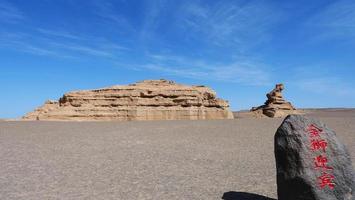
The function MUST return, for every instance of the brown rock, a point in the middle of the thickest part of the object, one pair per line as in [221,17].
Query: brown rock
[146,100]
[275,105]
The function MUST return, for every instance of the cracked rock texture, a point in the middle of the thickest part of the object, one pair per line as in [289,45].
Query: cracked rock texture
[146,100]
[300,174]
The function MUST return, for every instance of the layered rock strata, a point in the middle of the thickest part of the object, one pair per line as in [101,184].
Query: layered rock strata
[146,100]
[275,105]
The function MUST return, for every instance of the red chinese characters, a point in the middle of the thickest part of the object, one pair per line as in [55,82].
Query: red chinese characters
[326,180]
[320,161]
[317,144]
[314,131]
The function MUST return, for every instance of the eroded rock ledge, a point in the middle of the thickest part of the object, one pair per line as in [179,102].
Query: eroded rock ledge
[275,105]
[146,100]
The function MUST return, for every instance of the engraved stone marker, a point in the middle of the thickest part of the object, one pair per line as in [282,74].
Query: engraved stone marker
[311,162]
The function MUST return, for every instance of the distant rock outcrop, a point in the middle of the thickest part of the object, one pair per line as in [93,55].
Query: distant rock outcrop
[146,100]
[275,105]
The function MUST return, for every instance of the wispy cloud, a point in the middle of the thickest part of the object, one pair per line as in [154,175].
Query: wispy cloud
[112,46]
[246,72]
[230,23]
[321,79]
[80,48]
[60,43]
[182,72]
[17,43]
[224,23]
[336,20]
[327,85]
[57,33]
[72,41]
[105,9]
[41,51]
[154,14]
[9,13]
[54,49]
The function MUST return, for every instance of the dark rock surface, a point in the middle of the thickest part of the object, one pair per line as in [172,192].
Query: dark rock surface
[243,196]
[311,162]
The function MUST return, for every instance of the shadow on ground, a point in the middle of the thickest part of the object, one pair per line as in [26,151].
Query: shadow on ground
[243,196]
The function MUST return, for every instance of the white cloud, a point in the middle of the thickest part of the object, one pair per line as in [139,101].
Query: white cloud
[40,51]
[230,23]
[224,23]
[322,79]
[106,11]
[152,16]
[9,13]
[182,72]
[18,43]
[57,33]
[337,20]
[246,72]
[84,49]
[59,44]
[326,85]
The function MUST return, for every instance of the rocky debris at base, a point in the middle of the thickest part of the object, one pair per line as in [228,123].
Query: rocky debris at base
[146,100]
[275,105]
[311,162]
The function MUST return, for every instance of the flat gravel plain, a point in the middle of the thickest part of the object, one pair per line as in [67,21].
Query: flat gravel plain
[212,159]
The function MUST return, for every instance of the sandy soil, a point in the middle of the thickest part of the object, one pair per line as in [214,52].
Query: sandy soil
[188,160]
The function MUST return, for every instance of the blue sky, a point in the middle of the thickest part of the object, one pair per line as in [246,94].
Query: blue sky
[240,48]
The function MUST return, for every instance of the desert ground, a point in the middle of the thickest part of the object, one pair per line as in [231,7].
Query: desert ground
[212,159]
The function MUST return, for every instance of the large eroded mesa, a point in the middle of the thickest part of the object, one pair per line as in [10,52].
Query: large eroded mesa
[146,100]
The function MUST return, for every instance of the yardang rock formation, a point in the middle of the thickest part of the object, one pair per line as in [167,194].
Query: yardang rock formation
[146,100]
[275,105]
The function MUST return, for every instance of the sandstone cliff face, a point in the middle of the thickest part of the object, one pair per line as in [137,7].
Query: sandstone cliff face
[146,100]
[275,105]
